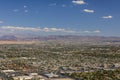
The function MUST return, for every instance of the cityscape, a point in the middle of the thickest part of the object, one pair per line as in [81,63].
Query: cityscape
[59,40]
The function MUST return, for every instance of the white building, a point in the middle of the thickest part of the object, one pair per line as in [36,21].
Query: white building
[22,78]
[8,71]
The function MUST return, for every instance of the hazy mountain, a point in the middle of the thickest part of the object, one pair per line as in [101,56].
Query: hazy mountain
[61,37]
[8,37]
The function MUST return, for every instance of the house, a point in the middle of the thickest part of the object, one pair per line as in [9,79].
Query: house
[22,78]
[33,74]
[28,78]
[7,71]
[117,65]
[62,79]
[51,75]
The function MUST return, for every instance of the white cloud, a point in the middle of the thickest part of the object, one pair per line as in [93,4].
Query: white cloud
[57,30]
[53,29]
[107,17]
[79,2]
[86,31]
[46,29]
[25,6]
[19,28]
[88,11]
[97,31]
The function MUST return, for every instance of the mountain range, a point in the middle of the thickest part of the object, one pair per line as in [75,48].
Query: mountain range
[60,37]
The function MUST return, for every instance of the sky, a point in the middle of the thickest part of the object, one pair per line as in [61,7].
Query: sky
[51,17]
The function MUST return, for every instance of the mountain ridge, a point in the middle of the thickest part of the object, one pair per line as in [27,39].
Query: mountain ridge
[61,37]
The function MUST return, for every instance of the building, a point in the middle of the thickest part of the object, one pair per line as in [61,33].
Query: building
[51,75]
[7,71]
[22,78]
[37,77]
[61,79]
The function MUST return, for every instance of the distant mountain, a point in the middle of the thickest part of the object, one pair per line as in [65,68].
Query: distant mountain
[61,37]
[74,37]
[8,37]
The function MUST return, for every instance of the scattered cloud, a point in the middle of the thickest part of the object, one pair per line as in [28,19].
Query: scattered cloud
[107,17]
[79,2]
[88,11]
[25,6]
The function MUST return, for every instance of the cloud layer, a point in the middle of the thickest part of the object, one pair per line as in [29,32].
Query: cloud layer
[12,28]
[46,30]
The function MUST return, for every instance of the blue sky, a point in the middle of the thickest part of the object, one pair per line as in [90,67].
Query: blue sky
[83,17]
